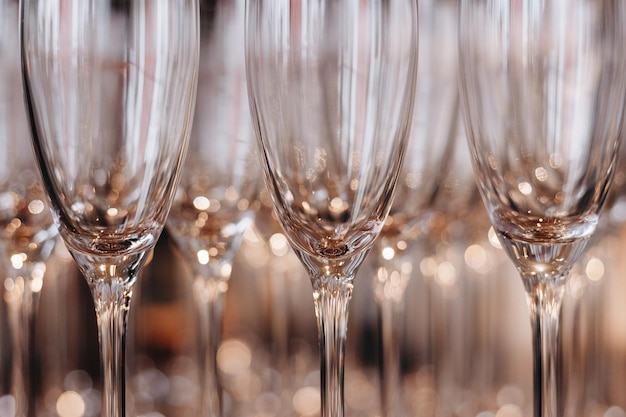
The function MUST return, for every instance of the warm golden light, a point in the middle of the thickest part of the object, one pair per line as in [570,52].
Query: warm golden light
[428,266]
[475,257]
[17,260]
[306,401]
[493,238]
[388,253]
[234,357]
[541,174]
[595,269]
[509,410]
[446,274]
[70,404]
[36,207]
[201,203]
[525,188]
[203,257]
[279,245]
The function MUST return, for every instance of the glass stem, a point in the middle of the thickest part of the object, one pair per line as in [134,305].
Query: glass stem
[390,313]
[112,302]
[279,317]
[23,303]
[209,299]
[332,298]
[545,299]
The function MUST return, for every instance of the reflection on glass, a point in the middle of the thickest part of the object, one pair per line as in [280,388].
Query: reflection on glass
[110,88]
[331,87]
[216,199]
[542,86]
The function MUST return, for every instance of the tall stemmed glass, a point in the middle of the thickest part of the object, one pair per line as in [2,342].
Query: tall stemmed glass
[216,199]
[110,88]
[543,87]
[27,231]
[431,146]
[331,87]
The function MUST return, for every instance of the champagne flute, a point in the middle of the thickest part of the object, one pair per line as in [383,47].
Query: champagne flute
[331,87]
[27,231]
[110,88]
[216,199]
[460,295]
[431,146]
[542,87]
[281,272]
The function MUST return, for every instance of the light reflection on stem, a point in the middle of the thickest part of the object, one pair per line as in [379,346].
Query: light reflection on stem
[332,297]
[22,294]
[209,296]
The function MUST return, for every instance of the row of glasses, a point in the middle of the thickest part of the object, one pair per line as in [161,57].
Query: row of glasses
[110,90]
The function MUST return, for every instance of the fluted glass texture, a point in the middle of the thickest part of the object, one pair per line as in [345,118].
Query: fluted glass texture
[25,222]
[215,201]
[331,85]
[543,84]
[110,87]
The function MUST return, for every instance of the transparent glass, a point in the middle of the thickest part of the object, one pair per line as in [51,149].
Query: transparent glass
[428,157]
[216,199]
[27,231]
[542,87]
[331,87]
[280,278]
[110,89]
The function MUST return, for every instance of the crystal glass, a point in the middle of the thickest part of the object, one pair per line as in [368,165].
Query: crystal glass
[27,231]
[542,87]
[427,161]
[110,89]
[282,277]
[331,86]
[456,262]
[216,199]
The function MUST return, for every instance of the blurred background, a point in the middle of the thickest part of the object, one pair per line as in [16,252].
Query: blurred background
[464,332]
[465,348]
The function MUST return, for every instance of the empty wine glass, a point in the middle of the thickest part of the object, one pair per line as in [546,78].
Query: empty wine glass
[431,146]
[456,261]
[110,89]
[27,231]
[542,87]
[216,199]
[280,275]
[331,87]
